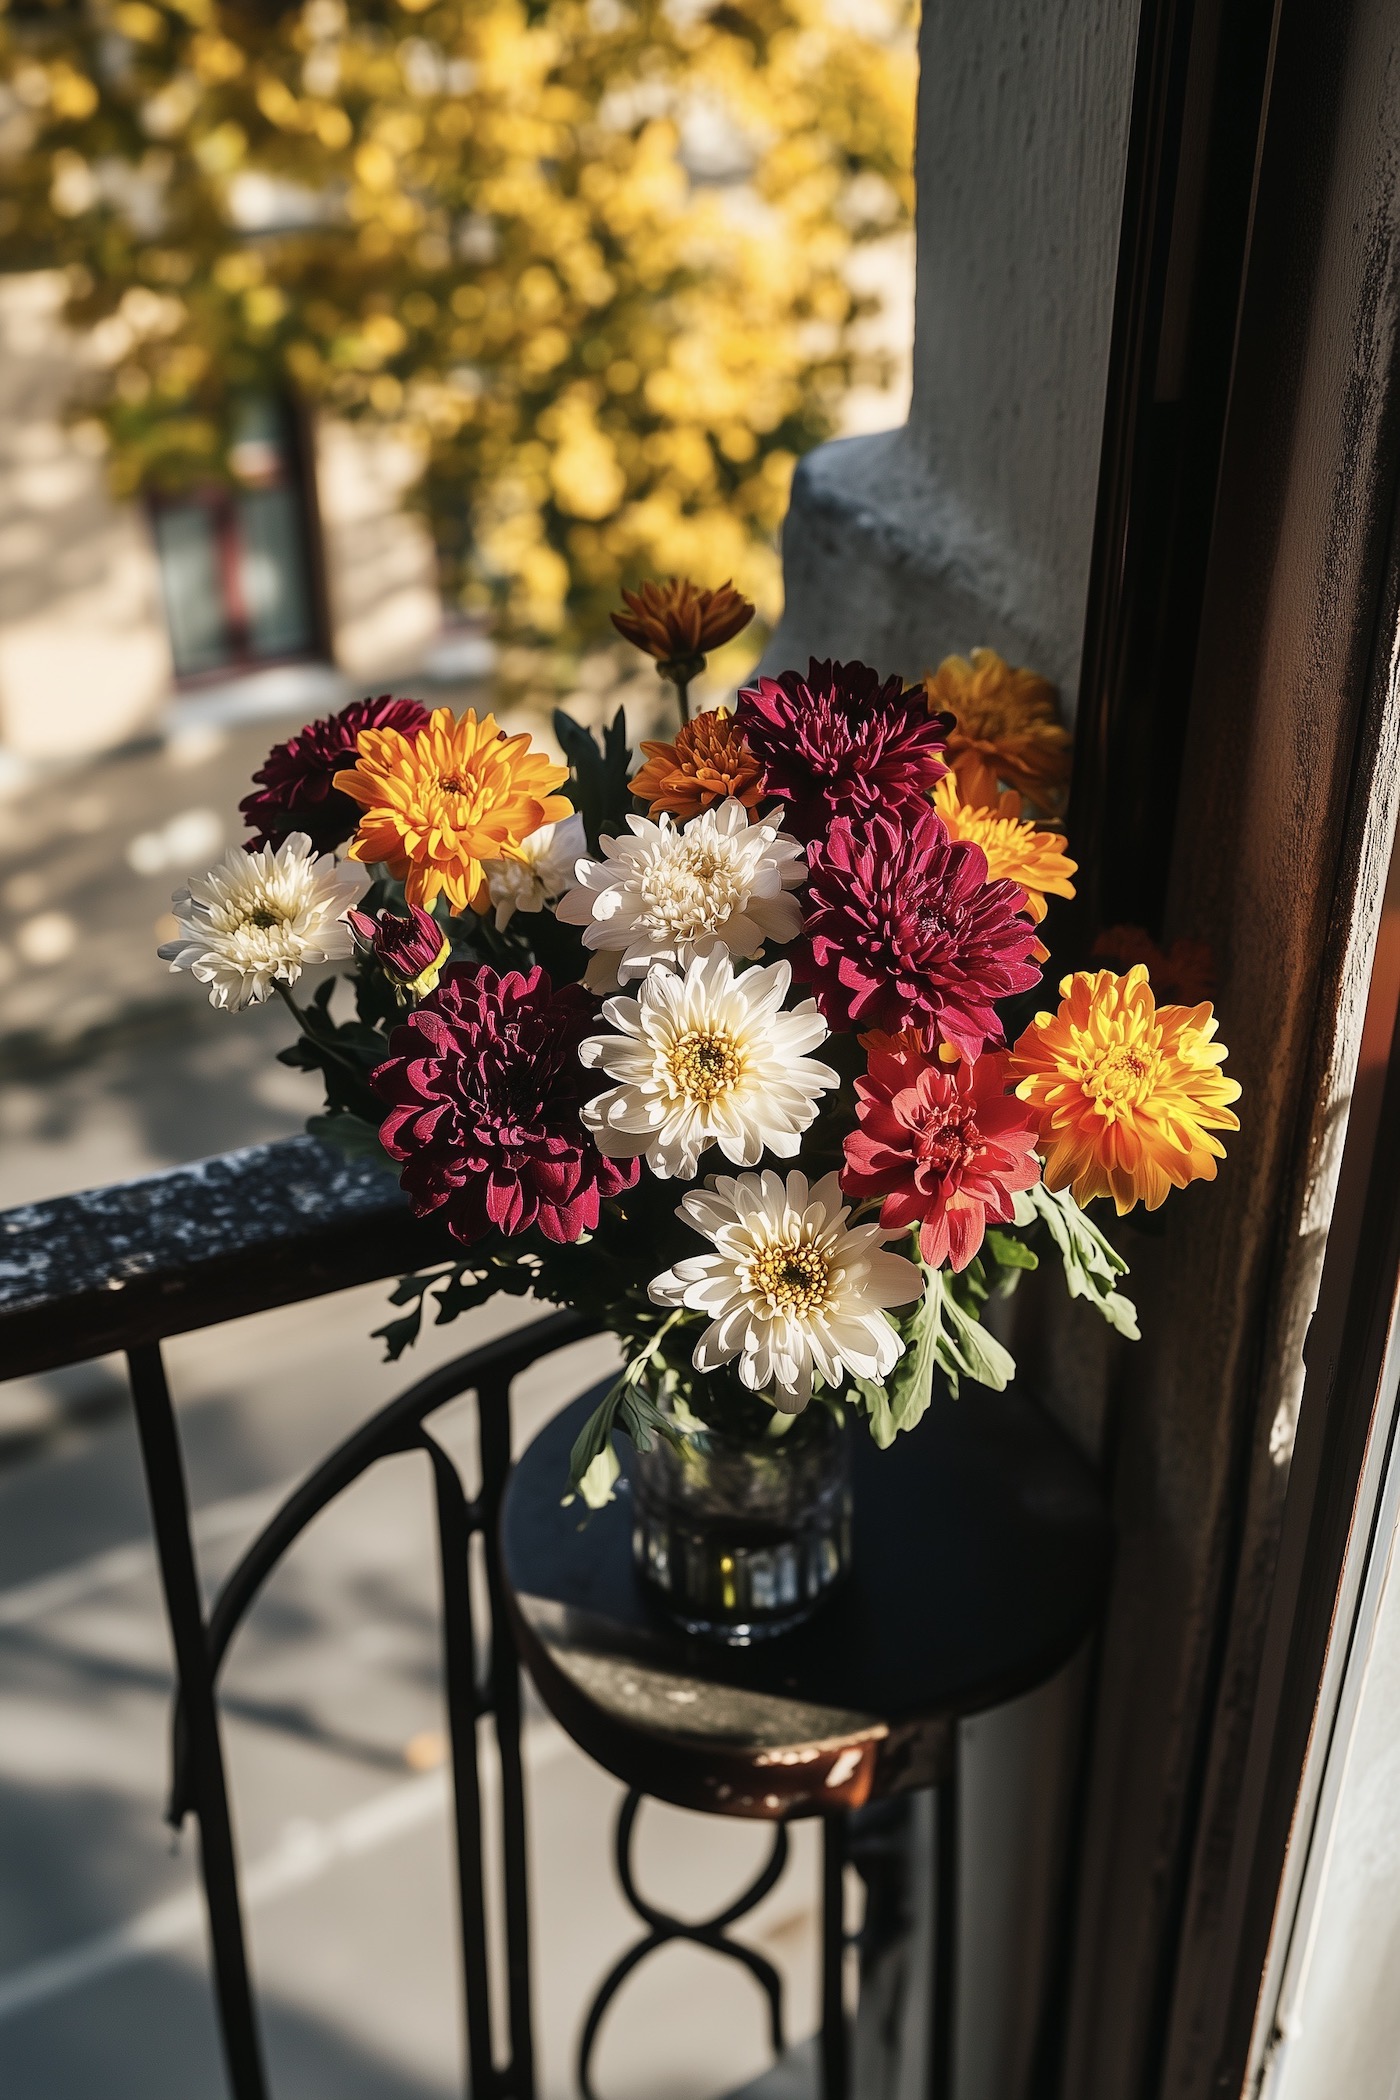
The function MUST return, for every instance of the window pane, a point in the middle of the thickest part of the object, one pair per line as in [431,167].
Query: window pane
[187,543]
[273,572]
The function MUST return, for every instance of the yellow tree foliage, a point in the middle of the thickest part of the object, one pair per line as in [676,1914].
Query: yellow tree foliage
[589,255]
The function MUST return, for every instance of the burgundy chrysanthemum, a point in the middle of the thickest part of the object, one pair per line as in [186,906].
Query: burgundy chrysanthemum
[298,791]
[839,743]
[484,1090]
[903,930]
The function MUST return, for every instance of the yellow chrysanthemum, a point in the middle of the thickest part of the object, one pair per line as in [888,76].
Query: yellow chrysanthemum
[1016,851]
[438,804]
[1006,728]
[1127,1092]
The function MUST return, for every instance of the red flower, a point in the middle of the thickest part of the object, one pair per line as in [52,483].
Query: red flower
[841,744]
[903,930]
[298,791]
[484,1091]
[946,1146]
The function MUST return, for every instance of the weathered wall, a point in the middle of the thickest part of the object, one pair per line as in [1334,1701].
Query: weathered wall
[972,524]
[84,660]
[84,655]
[380,573]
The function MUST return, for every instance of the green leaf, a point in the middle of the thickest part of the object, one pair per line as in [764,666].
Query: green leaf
[628,1407]
[966,1348]
[1092,1265]
[1008,1252]
[597,777]
[883,1427]
[943,1333]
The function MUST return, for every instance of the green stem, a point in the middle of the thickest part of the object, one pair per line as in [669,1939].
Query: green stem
[683,699]
[304,1025]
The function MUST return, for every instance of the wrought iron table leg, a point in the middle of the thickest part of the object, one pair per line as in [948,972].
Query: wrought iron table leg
[662,1928]
[943,2049]
[170,1520]
[835,2044]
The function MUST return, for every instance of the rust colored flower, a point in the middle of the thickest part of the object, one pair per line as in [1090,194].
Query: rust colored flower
[1183,973]
[679,623]
[946,1148]
[1127,1093]
[435,806]
[1016,851]
[709,762]
[1006,728]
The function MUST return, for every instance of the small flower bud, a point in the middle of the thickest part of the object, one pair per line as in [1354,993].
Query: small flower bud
[410,951]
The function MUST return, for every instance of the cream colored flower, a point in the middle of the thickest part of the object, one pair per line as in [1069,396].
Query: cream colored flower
[666,893]
[543,872]
[261,918]
[709,1058]
[793,1292]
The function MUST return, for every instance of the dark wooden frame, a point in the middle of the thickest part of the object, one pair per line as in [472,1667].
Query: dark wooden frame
[1254,636]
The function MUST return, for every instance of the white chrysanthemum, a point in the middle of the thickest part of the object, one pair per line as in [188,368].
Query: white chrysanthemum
[542,874]
[666,893]
[259,918]
[709,1058]
[792,1290]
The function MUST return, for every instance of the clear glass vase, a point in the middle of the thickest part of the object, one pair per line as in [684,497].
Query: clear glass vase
[744,1534]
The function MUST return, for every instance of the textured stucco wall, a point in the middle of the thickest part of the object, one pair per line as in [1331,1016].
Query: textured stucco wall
[84,653]
[84,658]
[972,523]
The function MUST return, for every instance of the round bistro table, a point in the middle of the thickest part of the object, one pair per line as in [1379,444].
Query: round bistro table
[980,1565]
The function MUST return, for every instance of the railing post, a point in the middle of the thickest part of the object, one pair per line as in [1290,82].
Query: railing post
[494,1441]
[170,1520]
[456,1522]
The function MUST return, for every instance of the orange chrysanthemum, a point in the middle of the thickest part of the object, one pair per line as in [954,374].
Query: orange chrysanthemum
[708,763]
[1015,850]
[678,622]
[438,804]
[1006,728]
[1127,1092]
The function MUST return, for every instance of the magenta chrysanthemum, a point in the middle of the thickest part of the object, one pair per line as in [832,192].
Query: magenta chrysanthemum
[484,1091]
[903,930]
[298,791]
[839,743]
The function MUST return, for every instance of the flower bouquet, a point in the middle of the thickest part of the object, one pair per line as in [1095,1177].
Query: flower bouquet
[739,1049]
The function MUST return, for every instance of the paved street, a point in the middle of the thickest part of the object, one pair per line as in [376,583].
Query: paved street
[110,1069]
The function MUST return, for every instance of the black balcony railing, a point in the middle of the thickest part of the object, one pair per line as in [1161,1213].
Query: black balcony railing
[120,1269]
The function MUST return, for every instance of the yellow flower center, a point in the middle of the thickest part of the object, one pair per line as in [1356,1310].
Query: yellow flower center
[263,918]
[703,1063]
[795,1278]
[1119,1081]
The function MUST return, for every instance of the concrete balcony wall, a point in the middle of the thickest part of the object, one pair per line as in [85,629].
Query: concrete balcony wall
[972,523]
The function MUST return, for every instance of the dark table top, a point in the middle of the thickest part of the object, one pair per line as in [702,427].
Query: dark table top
[980,1565]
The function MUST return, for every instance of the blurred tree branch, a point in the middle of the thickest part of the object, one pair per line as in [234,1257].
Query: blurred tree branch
[587,256]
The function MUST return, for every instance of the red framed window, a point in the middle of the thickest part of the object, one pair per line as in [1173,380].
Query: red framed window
[236,560]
